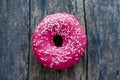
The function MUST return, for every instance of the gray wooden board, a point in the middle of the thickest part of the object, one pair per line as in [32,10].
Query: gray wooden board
[14,39]
[103,31]
[100,19]
[41,8]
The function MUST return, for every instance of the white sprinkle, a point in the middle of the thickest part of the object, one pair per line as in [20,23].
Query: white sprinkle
[40,50]
[45,60]
[64,61]
[47,52]
[76,55]
[68,53]
[39,34]
[77,23]
[76,58]
[83,36]
[36,30]
[79,50]
[51,65]
[42,59]
[56,62]
[42,44]
[82,49]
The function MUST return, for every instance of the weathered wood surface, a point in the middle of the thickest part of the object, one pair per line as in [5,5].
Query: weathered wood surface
[103,31]
[100,19]
[14,39]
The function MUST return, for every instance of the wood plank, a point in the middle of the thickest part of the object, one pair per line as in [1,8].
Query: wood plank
[14,39]
[103,31]
[41,8]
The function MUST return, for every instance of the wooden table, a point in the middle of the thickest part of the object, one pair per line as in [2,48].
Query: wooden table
[101,21]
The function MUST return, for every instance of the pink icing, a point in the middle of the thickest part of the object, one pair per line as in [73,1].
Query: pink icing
[72,48]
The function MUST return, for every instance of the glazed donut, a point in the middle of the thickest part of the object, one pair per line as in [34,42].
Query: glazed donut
[59,41]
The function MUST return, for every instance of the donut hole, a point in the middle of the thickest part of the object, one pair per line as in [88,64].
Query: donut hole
[58,40]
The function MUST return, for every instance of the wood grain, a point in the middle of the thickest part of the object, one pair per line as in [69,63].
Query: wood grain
[41,8]
[103,31]
[14,39]
[100,19]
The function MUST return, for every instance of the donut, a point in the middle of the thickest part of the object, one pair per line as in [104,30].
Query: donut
[59,41]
